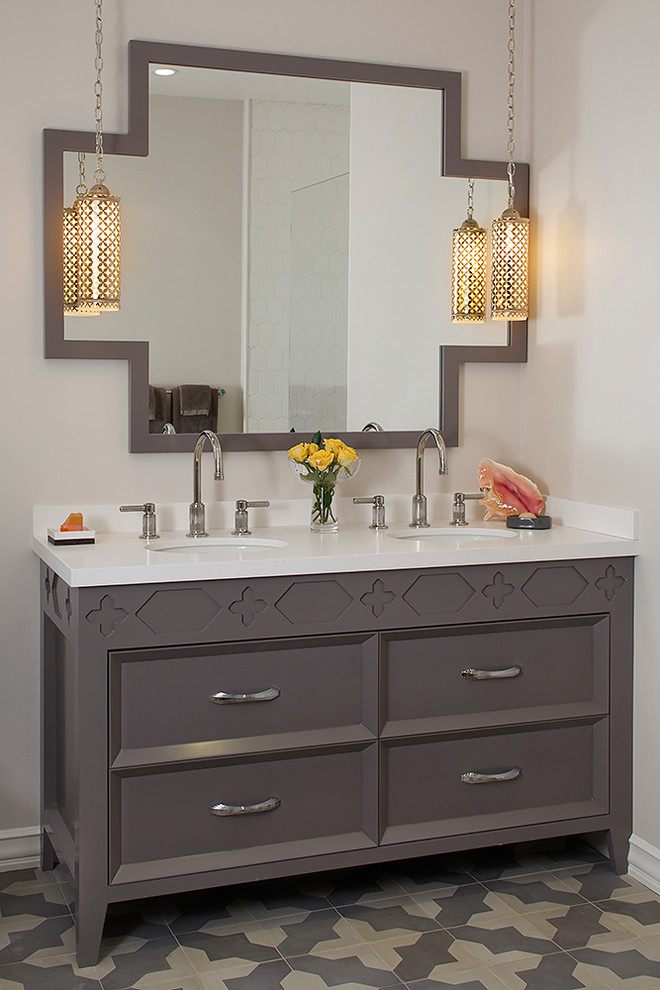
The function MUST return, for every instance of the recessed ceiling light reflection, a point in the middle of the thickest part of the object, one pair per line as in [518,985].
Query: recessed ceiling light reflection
[166,72]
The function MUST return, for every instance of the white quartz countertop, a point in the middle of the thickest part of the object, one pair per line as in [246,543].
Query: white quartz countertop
[122,558]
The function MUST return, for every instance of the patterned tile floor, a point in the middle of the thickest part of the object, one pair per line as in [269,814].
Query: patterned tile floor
[532,917]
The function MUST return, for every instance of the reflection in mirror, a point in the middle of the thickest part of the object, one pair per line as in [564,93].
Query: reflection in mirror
[287,241]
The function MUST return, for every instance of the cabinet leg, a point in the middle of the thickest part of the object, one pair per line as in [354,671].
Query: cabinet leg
[90,917]
[617,848]
[48,857]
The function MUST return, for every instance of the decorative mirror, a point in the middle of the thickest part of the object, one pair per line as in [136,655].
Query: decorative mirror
[286,244]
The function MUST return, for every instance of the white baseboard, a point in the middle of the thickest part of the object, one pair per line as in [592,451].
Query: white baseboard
[20,848]
[644,863]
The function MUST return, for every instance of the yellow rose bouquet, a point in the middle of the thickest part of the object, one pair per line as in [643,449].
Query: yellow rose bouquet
[323,463]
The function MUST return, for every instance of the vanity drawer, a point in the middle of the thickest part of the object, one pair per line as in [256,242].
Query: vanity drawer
[280,693]
[494,674]
[550,774]
[161,822]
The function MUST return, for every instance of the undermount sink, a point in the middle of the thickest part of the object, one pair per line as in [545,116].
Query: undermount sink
[451,534]
[214,545]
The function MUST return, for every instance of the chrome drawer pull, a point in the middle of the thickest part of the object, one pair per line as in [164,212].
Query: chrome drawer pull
[472,777]
[225,810]
[221,698]
[486,675]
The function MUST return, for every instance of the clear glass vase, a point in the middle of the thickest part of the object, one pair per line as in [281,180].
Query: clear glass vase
[324,510]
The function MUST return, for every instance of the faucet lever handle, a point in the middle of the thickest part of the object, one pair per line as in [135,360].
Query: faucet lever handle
[241,515]
[458,506]
[148,510]
[378,514]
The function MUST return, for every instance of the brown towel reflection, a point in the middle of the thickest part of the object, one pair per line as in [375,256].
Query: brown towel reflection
[159,408]
[194,408]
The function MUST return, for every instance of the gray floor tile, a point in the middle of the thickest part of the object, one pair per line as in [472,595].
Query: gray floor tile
[24,936]
[597,882]
[310,933]
[497,863]
[630,963]
[138,963]
[193,911]
[63,975]
[223,953]
[469,904]
[272,899]
[360,967]
[265,976]
[533,891]
[34,897]
[429,873]
[548,916]
[554,972]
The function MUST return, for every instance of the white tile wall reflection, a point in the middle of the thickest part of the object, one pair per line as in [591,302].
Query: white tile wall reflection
[297,266]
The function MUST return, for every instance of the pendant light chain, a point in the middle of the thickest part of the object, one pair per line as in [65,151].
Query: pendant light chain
[470,200]
[81,188]
[510,240]
[98,219]
[99,174]
[511,145]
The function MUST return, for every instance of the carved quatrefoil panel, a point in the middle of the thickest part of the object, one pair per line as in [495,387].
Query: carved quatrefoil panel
[610,582]
[498,590]
[248,607]
[106,616]
[378,598]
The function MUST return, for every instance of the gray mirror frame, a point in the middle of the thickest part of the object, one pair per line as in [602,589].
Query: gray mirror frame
[136,142]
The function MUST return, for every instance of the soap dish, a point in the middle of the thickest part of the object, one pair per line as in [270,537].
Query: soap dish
[71,538]
[529,522]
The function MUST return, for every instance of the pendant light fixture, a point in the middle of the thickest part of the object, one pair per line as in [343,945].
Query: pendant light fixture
[98,218]
[468,268]
[72,305]
[510,242]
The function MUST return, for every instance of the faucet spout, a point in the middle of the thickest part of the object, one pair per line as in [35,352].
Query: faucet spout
[419,498]
[197,512]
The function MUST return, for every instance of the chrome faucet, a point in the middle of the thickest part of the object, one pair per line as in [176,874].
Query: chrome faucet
[197,513]
[419,498]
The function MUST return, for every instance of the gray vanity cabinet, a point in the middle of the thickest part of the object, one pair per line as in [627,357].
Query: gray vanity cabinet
[205,733]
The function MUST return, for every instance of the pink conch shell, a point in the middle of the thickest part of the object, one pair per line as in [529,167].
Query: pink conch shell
[510,494]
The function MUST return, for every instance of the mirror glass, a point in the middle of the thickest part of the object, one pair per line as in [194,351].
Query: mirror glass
[288,242]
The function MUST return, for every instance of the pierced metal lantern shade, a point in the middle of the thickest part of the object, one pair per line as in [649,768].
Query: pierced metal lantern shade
[510,275]
[99,247]
[468,273]
[69,262]
[71,303]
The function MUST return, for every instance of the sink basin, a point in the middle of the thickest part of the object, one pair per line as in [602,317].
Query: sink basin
[215,545]
[452,534]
